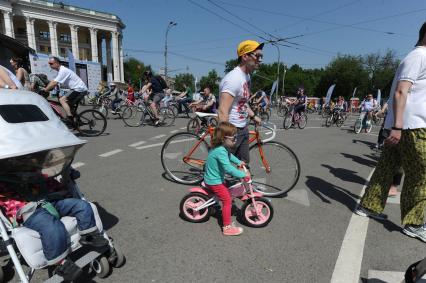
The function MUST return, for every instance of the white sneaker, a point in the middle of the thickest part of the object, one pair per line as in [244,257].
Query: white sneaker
[418,232]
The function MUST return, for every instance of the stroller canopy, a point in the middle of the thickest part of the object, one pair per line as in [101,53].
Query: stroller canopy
[29,125]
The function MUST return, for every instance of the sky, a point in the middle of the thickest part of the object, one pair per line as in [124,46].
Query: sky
[208,31]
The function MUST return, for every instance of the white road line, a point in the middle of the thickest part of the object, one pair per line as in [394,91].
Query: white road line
[348,264]
[157,137]
[109,153]
[77,164]
[376,276]
[137,144]
[149,145]
[183,128]
[174,131]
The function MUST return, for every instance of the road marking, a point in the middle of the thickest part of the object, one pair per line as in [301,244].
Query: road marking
[77,164]
[174,131]
[149,145]
[109,153]
[394,200]
[348,264]
[137,144]
[183,128]
[378,276]
[157,137]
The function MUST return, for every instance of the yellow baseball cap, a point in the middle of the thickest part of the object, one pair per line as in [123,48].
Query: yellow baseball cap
[248,46]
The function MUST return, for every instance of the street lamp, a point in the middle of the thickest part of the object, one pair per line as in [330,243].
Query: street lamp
[171,24]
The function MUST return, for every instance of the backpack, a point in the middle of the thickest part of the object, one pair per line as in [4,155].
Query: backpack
[161,81]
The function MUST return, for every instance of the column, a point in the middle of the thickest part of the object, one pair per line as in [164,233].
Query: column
[94,44]
[74,41]
[108,57]
[121,59]
[53,38]
[8,25]
[99,46]
[115,55]
[31,33]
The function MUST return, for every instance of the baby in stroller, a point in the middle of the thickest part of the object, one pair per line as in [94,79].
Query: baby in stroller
[42,211]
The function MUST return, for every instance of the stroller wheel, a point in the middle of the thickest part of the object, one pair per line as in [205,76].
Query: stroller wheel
[117,257]
[101,267]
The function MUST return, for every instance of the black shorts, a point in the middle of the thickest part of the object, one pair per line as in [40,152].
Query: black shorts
[157,97]
[74,97]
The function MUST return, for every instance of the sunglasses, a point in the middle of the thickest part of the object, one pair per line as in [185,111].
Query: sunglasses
[256,56]
[51,64]
[231,138]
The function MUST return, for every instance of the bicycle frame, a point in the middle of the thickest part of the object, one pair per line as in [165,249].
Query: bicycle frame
[254,136]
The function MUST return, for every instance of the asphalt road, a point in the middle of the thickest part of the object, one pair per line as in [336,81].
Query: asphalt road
[313,237]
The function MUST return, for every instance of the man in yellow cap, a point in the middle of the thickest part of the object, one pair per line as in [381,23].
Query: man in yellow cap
[235,92]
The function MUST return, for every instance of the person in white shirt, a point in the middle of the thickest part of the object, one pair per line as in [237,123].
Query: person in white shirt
[235,93]
[405,146]
[67,79]
[8,80]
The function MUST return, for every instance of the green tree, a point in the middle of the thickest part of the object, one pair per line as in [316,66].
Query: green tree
[381,70]
[212,80]
[230,65]
[133,71]
[347,72]
[184,79]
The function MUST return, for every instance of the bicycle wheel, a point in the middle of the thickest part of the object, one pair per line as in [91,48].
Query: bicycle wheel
[288,121]
[358,126]
[193,126]
[258,216]
[167,117]
[183,156]
[275,168]
[325,113]
[212,122]
[340,121]
[133,116]
[303,120]
[103,109]
[91,123]
[329,121]
[264,116]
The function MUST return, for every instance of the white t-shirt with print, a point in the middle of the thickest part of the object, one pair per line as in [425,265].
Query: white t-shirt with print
[70,80]
[237,84]
[412,69]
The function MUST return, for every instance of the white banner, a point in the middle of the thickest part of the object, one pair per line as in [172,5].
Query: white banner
[353,94]
[329,93]
[71,61]
[379,96]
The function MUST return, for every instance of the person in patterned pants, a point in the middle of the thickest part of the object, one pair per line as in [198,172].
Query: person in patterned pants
[405,146]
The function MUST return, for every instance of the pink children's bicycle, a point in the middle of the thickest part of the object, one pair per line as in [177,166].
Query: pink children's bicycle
[256,211]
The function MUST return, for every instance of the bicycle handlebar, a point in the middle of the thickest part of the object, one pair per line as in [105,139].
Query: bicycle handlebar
[272,128]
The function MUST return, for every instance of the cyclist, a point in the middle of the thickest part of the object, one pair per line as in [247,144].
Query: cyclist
[115,97]
[206,104]
[184,99]
[235,93]
[67,79]
[155,86]
[260,100]
[367,107]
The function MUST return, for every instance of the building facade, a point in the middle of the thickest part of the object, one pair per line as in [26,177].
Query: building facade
[52,28]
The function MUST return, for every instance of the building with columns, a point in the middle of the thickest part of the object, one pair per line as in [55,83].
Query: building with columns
[53,28]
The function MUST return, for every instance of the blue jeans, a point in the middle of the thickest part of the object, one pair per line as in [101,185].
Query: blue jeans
[115,103]
[54,237]
[184,102]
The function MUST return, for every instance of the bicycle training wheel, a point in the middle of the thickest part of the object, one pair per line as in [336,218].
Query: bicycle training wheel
[91,123]
[183,156]
[288,121]
[275,168]
[167,116]
[303,120]
[133,116]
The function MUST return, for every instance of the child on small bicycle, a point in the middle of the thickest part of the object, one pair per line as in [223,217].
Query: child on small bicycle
[218,163]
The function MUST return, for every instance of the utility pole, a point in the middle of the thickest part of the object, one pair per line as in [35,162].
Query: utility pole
[171,24]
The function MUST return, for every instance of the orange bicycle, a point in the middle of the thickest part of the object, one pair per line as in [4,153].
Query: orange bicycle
[274,167]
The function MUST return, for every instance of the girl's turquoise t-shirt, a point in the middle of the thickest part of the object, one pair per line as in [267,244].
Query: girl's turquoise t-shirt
[218,163]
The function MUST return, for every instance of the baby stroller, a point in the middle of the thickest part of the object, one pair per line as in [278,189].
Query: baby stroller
[34,139]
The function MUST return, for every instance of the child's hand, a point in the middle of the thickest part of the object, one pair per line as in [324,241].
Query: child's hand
[247,177]
[242,164]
